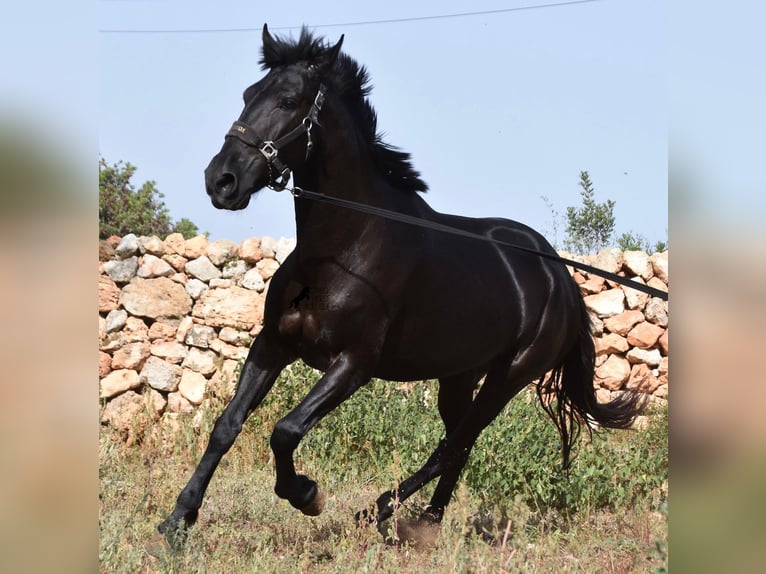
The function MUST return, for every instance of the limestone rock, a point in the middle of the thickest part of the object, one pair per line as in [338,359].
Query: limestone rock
[201,361]
[160,374]
[105,251]
[104,364]
[235,337]
[153,266]
[127,247]
[594,284]
[644,335]
[650,357]
[610,344]
[638,263]
[664,369]
[635,299]
[624,322]
[163,329]
[192,386]
[267,268]
[657,283]
[656,312]
[156,298]
[195,247]
[234,270]
[221,251]
[200,336]
[155,402]
[613,373]
[121,270]
[664,342]
[177,403]
[603,395]
[202,268]
[131,356]
[596,325]
[177,262]
[108,294]
[135,330]
[126,413]
[250,250]
[609,259]
[234,307]
[660,265]
[171,351]
[183,329]
[607,303]
[153,245]
[268,247]
[642,379]
[116,320]
[228,351]
[180,278]
[283,249]
[253,280]
[175,243]
[118,382]
[195,288]
[112,341]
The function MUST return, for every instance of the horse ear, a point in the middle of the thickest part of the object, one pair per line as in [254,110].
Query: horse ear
[268,43]
[266,35]
[328,59]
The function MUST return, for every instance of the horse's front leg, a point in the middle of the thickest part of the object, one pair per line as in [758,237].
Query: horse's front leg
[261,367]
[345,375]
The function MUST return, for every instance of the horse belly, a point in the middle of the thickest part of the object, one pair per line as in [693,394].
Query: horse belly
[443,341]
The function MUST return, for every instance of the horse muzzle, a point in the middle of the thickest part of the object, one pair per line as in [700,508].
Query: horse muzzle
[231,188]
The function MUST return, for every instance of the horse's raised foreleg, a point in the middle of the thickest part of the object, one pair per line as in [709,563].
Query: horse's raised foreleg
[344,376]
[263,364]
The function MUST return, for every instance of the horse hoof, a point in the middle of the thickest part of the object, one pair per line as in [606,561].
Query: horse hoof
[421,533]
[316,506]
[174,533]
[158,546]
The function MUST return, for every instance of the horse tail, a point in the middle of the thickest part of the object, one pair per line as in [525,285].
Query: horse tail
[568,394]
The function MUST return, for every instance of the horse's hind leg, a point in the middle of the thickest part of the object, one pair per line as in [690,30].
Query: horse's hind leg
[259,371]
[455,397]
[501,384]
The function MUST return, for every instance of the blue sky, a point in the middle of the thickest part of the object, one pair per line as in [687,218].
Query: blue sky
[496,109]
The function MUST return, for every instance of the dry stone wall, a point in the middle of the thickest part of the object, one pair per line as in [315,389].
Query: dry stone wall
[176,318]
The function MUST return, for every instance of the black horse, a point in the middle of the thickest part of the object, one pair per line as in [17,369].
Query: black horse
[362,296]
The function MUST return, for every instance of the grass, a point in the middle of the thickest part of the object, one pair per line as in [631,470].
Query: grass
[506,516]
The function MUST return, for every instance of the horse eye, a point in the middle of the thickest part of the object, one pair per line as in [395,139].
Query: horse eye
[288,103]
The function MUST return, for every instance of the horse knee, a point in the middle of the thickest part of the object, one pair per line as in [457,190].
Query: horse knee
[285,437]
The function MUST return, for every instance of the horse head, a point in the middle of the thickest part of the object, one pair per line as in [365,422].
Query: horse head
[273,134]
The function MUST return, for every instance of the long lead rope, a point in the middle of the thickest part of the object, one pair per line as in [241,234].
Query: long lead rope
[411,220]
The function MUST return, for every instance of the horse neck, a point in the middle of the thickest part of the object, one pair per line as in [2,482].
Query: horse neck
[340,169]
[321,227]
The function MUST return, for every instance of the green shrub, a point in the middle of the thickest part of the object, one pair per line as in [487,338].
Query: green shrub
[123,209]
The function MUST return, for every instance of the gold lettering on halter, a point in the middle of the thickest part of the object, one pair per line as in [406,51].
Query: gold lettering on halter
[240,129]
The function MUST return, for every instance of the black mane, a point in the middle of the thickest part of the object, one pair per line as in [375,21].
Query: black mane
[351,82]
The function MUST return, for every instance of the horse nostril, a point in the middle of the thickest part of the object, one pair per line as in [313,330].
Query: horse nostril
[226,184]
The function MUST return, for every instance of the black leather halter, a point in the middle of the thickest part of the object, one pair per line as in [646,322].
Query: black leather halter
[270,149]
